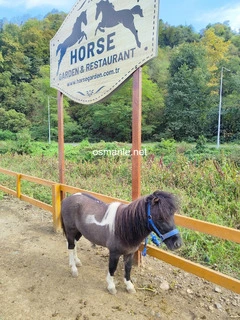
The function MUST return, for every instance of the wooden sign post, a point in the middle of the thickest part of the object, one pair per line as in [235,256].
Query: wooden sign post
[136,142]
[61,161]
[136,133]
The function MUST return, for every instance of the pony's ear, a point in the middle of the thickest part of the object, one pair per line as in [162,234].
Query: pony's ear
[155,200]
[155,196]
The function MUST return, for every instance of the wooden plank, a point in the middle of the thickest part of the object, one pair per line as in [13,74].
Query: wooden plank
[8,172]
[194,268]
[37,203]
[99,196]
[209,228]
[8,191]
[43,182]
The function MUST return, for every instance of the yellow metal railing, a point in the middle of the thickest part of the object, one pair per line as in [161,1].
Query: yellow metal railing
[190,223]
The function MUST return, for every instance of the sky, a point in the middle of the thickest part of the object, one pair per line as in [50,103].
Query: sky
[198,13]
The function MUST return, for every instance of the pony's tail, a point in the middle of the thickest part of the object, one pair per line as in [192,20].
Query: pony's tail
[137,10]
[63,226]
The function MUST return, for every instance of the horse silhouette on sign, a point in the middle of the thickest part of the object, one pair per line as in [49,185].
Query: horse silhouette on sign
[111,17]
[77,35]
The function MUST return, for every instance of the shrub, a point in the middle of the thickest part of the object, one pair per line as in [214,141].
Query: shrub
[7,135]
[23,143]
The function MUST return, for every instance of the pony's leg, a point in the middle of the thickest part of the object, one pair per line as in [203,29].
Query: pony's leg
[113,262]
[72,263]
[128,260]
[76,259]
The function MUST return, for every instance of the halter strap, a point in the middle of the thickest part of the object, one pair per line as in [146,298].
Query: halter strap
[152,227]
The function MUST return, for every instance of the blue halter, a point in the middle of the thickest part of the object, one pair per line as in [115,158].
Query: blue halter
[153,228]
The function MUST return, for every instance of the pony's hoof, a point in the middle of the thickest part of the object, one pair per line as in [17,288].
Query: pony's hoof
[75,273]
[129,286]
[111,285]
[131,290]
[78,263]
[112,290]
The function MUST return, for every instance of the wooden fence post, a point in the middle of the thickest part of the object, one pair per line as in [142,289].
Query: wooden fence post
[18,185]
[56,203]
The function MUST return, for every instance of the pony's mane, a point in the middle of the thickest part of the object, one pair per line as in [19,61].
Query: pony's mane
[131,220]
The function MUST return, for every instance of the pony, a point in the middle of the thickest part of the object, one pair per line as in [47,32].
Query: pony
[77,35]
[119,227]
[111,17]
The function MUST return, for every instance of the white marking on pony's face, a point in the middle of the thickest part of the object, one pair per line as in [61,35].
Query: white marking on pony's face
[108,218]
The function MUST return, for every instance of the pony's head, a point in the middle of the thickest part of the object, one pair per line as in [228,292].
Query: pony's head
[162,206]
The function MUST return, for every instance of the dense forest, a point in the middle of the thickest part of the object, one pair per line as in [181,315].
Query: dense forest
[180,87]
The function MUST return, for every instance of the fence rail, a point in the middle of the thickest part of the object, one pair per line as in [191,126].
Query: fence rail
[190,223]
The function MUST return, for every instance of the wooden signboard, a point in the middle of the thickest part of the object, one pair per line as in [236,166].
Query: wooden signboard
[100,44]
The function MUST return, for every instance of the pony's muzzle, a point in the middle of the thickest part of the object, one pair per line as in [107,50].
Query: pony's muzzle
[177,243]
[174,242]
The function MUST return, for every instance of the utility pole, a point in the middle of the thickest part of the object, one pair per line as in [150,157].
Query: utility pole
[220,107]
[49,123]
[49,118]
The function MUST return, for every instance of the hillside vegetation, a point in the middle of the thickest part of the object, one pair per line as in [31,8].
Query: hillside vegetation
[180,87]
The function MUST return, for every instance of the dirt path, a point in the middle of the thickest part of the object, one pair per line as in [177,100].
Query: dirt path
[35,280]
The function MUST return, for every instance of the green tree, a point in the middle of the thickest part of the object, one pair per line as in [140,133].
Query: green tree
[13,121]
[171,36]
[112,119]
[152,107]
[187,99]
[222,30]
[158,68]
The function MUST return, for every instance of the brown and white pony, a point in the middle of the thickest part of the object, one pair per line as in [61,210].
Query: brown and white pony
[119,227]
